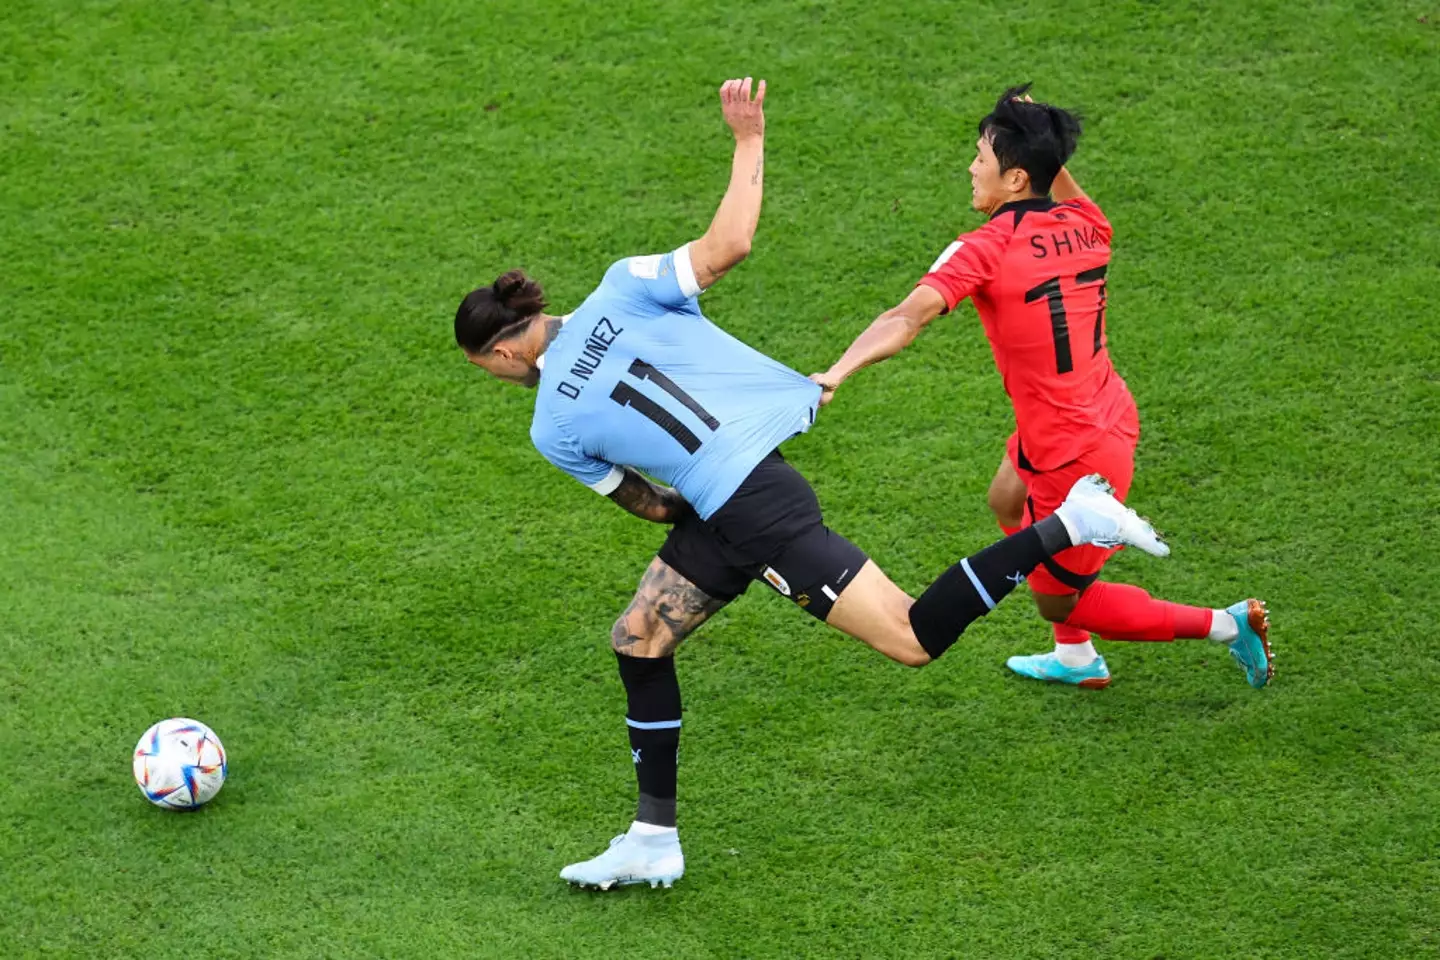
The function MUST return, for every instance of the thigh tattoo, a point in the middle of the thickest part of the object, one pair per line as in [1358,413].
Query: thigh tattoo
[665,610]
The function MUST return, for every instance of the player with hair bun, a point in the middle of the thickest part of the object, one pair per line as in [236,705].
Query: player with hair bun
[637,383]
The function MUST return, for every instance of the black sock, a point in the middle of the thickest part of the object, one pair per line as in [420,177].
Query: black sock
[971,588]
[653,719]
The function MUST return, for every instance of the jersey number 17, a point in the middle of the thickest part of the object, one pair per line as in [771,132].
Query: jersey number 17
[1059,324]
[627,396]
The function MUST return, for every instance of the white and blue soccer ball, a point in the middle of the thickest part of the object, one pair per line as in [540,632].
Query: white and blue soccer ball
[179,764]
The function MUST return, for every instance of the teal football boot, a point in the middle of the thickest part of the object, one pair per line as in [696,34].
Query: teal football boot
[1047,666]
[1251,647]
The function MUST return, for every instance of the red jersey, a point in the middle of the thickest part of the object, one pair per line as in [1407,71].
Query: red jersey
[1036,272]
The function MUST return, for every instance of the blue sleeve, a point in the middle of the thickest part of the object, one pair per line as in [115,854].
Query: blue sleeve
[663,279]
[564,451]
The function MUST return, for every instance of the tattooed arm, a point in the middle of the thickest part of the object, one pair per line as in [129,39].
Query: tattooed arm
[646,500]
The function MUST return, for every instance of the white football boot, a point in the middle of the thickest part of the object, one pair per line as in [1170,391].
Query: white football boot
[1093,515]
[633,857]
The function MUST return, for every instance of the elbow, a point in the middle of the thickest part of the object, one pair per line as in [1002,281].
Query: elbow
[906,327]
[732,242]
[670,508]
[738,249]
[718,251]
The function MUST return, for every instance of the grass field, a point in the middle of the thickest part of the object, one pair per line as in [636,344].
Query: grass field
[245,476]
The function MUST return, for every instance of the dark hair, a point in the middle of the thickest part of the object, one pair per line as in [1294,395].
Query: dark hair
[1035,137]
[490,314]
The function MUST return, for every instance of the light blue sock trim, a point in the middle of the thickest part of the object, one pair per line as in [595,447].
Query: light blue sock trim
[965,565]
[652,725]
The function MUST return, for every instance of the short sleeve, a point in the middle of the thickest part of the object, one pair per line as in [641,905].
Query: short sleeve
[965,266]
[564,451]
[664,279]
[1092,212]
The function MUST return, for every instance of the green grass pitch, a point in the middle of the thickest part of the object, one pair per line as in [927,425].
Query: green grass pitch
[245,476]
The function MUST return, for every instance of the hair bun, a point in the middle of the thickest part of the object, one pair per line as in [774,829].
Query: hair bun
[508,285]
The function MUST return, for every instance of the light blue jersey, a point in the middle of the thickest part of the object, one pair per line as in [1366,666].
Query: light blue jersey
[638,377]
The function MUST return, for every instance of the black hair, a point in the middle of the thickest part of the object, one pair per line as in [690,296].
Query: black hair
[494,313]
[1036,137]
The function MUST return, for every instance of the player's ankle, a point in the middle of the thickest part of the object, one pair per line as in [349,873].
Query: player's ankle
[1070,517]
[1223,628]
[1076,654]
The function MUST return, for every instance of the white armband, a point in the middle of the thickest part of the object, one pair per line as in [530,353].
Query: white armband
[610,483]
[685,273]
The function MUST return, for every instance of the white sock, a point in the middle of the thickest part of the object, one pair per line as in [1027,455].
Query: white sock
[650,829]
[1223,627]
[1076,654]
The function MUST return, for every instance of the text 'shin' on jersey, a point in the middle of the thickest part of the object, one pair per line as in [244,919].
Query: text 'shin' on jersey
[1036,273]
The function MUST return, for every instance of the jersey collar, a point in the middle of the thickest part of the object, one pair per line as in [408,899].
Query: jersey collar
[1021,207]
[540,360]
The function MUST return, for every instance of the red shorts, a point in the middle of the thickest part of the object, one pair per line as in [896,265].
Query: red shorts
[1070,571]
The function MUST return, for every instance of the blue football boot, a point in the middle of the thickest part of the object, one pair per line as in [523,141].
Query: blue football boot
[1047,666]
[1251,648]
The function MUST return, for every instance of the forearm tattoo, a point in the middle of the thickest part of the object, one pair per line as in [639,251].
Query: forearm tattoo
[666,609]
[647,501]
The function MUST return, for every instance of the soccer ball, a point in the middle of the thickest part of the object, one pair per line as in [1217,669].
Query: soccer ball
[179,764]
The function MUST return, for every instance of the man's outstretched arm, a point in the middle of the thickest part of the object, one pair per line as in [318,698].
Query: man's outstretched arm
[887,335]
[727,242]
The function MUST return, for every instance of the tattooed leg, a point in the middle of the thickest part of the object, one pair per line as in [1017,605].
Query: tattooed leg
[666,609]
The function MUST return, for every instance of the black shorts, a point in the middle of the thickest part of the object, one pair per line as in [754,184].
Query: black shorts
[770,530]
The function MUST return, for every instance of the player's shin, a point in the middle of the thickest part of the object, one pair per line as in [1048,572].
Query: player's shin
[1118,611]
[971,588]
[653,720]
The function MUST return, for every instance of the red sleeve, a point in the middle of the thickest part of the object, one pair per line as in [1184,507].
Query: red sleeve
[1092,213]
[966,265]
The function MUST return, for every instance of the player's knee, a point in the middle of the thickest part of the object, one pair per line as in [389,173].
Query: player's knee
[1056,607]
[904,647]
[911,656]
[638,634]
[619,630]
[1007,511]
[629,632]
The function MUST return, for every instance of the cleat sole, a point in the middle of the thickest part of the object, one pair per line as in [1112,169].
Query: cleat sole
[1102,483]
[607,885]
[1257,613]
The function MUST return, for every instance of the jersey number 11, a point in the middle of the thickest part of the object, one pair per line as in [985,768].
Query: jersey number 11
[628,396]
